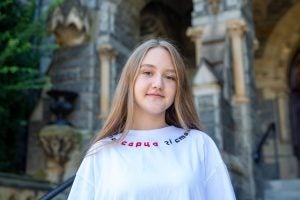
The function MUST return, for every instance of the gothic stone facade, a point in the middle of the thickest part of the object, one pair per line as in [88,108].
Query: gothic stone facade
[239,56]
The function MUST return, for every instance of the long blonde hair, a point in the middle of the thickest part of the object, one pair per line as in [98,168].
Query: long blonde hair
[182,113]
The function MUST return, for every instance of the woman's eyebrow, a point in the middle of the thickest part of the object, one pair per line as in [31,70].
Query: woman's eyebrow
[152,66]
[171,70]
[147,65]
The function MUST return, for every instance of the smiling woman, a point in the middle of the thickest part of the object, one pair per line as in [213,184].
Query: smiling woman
[151,146]
[154,89]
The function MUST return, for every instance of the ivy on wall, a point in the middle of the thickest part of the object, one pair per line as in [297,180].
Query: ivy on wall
[20,81]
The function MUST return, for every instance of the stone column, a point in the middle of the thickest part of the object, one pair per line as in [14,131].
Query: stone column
[195,33]
[107,58]
[236,29]
[282,104]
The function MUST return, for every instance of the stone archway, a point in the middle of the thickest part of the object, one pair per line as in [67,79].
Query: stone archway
[294,85]
[281,45]
[271,71]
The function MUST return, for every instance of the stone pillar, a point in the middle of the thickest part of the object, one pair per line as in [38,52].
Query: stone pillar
[236,29]
[282,106]
[195,33]
[107,57]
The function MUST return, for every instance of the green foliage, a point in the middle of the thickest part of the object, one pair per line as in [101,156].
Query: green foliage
[20,80]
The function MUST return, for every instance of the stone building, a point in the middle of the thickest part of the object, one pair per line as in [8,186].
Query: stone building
[244,68]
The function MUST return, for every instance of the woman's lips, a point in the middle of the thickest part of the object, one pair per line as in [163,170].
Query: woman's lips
[155,95]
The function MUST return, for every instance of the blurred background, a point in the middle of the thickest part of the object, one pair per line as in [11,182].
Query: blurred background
[60,61]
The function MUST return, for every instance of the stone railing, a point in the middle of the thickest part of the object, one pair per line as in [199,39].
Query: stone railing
[13,187]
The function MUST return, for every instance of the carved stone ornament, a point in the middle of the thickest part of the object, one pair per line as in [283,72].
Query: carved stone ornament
[70,23]
[57,142]
[215,6]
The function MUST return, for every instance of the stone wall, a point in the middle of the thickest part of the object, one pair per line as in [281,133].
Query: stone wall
[76,69]
[278,33]
[73,69]
[225,44]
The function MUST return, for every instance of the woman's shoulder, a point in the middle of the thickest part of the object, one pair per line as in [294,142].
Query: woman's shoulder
[199,134]
[203,138]
[100,144]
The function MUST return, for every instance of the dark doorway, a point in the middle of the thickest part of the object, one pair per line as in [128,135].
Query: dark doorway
[169,19]
[294,84]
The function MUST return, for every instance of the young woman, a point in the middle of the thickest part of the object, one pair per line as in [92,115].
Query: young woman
[151,146]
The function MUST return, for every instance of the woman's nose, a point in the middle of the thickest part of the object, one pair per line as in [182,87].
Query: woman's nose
[158,81]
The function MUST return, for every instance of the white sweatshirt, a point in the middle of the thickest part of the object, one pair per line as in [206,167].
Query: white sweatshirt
[166,164]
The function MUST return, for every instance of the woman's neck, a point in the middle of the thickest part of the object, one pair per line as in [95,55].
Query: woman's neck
[146,122]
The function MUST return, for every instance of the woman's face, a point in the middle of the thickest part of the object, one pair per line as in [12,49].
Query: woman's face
[155,85]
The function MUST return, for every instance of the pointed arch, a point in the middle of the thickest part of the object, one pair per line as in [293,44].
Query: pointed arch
[272,68]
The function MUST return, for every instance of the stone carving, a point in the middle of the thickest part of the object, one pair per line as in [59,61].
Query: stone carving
[57,142]
[70,23]
[236,28]
[215,6]
[58,138]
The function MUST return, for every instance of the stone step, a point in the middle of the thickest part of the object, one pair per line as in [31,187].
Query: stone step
[281,195]
[282,190]
[283,184]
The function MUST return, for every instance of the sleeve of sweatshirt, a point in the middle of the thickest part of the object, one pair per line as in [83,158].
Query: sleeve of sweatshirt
[217,181]
[83,185]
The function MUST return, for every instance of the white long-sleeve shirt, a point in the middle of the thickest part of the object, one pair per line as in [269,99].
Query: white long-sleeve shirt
[166,164]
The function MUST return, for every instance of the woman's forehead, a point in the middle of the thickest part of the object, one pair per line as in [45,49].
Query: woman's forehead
[156,57]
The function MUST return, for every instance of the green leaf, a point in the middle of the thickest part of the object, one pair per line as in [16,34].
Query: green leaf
[20,80]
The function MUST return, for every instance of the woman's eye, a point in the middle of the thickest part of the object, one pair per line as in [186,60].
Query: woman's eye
[147,73]
[171,78]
